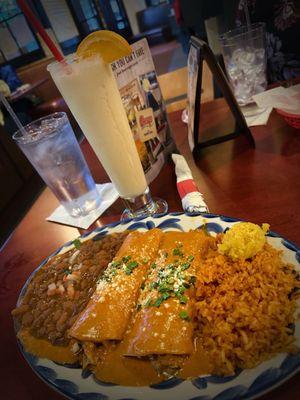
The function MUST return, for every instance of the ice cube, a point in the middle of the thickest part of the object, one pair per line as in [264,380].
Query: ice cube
[237,55]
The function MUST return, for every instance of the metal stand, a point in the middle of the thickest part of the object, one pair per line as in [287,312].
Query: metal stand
[241,127]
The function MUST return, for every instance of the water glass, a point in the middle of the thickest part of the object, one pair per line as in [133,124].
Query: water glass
[245,61]
[51,147]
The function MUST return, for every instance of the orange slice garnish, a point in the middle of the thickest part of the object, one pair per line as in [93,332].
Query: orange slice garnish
[108,44]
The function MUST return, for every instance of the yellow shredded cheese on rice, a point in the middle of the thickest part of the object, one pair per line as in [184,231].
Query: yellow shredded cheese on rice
[244,240]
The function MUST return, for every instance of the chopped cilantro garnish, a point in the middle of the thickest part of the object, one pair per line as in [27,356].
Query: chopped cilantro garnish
[181,289]
[115,264]
[158,301]
[190,258]
[186,285]
[184,315]
[185,266]
[132,264]
[145,260]
[183,299]
[165,295]
[77,243]
[126,259]
[153,285]
[153,265]
[138,306]
[130,267]
[177,252]
[143,285]
[148,302]
[164,288]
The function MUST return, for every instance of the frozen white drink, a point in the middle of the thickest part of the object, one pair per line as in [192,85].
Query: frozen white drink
[90,90]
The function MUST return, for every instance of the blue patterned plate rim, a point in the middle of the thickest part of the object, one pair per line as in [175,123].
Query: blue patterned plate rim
[245,392]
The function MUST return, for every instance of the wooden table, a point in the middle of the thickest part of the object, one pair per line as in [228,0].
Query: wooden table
[19,94]
[259,184]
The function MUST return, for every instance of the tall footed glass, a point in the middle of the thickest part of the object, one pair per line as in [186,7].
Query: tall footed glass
[90,90]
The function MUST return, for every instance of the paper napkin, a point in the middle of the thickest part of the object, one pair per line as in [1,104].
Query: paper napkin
[287,99]
[255,115]
[108,195]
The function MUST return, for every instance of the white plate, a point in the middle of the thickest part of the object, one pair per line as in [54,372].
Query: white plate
[247,384]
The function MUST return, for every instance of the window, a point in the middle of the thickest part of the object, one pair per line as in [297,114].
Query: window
[90,13]
[86,16]
[115,16]
[18,43]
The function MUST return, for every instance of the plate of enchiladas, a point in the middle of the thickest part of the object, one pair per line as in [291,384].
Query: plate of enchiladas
[189,307]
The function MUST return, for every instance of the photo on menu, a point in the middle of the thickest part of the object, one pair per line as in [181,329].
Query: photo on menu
[145,108]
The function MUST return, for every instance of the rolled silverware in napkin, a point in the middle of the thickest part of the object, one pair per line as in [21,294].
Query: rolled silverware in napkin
[191,198]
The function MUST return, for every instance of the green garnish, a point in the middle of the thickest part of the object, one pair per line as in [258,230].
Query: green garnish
[138,306]
[180,290]
[158,302]
[183,299]
[153,265]
[132,264]
[130,267]
[166,254]
[185,266]
[143,285]
[126,259]
[77,243]
[115,264]
[148,302]
[165,296]
[190,258]
[177,252]
[184,315]
[145,260]
[153,285]
[164,288]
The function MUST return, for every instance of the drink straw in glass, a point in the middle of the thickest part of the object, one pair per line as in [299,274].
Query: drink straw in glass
[12,114]
[38,26]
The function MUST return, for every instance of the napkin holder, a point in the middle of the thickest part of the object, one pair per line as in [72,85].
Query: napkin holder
[203,52]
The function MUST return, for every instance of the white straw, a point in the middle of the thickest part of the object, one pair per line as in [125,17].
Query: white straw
[12,114]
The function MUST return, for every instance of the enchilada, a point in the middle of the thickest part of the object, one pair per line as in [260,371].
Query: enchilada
[163,323]
[107,314]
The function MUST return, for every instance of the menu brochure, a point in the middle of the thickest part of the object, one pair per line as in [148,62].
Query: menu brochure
[144,107]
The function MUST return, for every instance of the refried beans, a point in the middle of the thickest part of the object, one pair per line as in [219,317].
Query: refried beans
[61,289]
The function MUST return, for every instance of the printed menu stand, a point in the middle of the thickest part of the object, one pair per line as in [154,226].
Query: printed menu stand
[200,51]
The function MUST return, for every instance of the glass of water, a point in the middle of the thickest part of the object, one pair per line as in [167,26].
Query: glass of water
[51,147]
[245,61]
